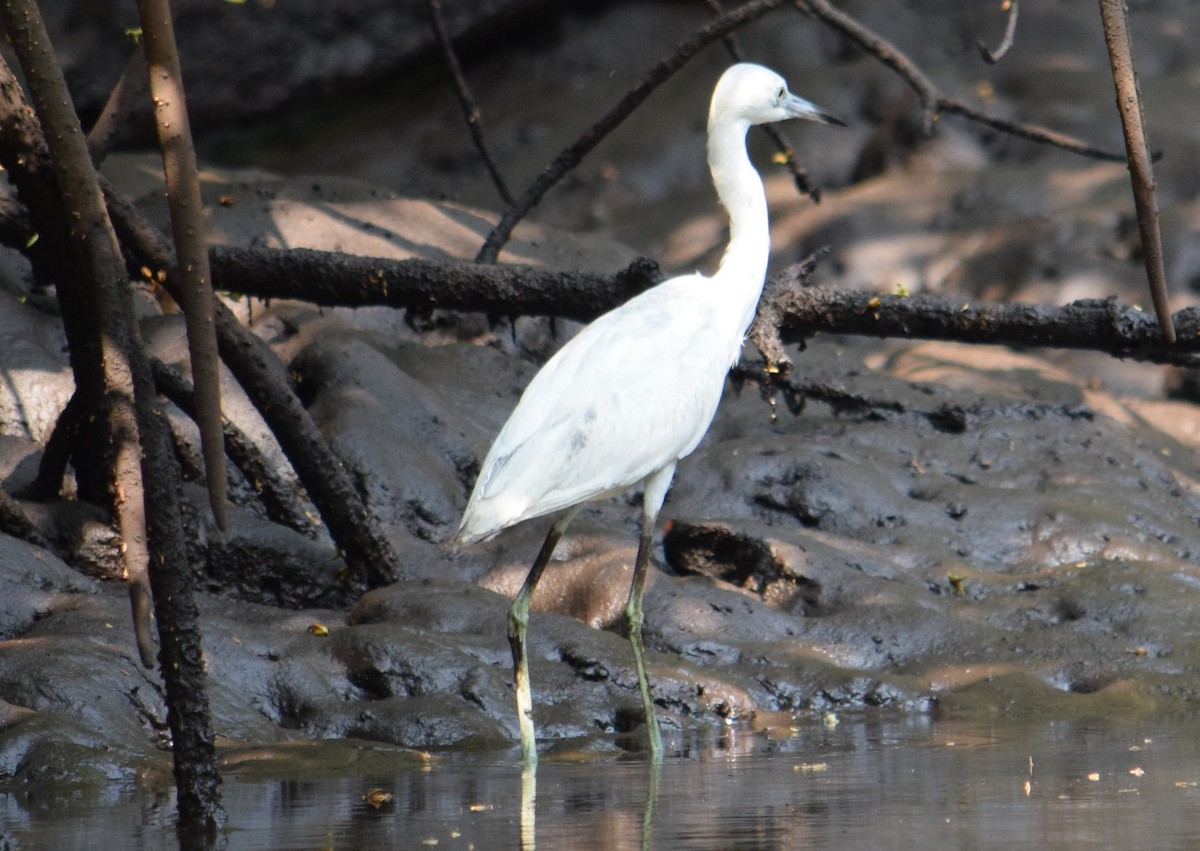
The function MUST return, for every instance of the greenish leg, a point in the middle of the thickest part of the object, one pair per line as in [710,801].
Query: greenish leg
[518,622]
[518,619]
[633,613]
[655,492]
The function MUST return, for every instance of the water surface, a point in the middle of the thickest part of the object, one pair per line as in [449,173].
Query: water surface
[887,783]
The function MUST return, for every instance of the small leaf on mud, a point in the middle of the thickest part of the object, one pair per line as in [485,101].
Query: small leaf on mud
[377,797]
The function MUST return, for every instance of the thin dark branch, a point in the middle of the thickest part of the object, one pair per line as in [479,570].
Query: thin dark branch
[1141,172]
[933,102]
[575,152]
[1031,132]
[881,49]
[991,57]
[466,99]
[777,136]
[799,388]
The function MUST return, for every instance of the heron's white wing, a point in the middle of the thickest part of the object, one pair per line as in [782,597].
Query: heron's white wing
[630,393]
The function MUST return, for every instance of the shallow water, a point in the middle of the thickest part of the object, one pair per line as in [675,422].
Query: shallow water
[894,783]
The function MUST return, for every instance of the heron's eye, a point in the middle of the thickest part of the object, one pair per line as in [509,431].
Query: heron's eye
[781,94]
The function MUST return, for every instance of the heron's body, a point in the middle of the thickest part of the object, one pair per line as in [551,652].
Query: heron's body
[636,390]
[632,392]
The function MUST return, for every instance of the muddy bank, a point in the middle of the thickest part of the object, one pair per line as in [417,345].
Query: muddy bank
[988,535]
[990,531]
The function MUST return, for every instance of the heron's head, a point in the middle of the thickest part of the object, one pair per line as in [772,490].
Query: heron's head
[751,94]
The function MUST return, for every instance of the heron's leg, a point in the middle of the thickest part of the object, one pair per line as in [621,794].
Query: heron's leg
[655,491]
[518,621]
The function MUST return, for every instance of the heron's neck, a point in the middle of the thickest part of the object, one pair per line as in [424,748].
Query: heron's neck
[744,264]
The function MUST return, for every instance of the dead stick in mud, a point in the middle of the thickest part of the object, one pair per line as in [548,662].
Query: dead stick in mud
[466,100]
[575,152]
[194,287]
[1141,172]
[933,102]
[773,132]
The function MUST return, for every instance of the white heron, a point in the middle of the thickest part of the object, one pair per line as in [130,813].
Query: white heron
[636,390]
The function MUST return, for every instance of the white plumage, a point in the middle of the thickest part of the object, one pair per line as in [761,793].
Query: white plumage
[636,390]
[609,408]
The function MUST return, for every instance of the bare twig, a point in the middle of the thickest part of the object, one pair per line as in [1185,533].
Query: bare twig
[991,57]
[465,99]
[1141,172]
[933,102]
[777,136]
[573,153]
[187,225]
[1031,132]
[125,95]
